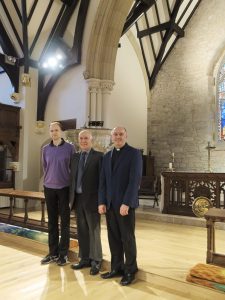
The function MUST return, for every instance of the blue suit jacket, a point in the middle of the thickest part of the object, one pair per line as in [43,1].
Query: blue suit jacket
[120,185]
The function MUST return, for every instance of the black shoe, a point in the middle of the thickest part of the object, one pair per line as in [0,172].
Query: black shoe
[81,265]
[112,274]
[62,260]
[48,259]
[127,279]
[95,267]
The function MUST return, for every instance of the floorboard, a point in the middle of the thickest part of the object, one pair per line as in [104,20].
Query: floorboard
[166,252]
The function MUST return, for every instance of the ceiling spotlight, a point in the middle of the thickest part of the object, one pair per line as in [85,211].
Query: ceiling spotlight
[59,56]
[54,62]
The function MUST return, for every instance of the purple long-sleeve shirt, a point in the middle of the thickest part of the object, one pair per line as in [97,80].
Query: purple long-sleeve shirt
[56,164]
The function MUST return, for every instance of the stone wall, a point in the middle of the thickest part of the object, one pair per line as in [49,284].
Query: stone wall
[182,113]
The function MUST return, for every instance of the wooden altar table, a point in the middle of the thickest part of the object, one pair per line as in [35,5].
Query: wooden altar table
[180,189]
[214,215]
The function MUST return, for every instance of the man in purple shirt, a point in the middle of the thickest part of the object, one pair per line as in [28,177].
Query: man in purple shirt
[56,158]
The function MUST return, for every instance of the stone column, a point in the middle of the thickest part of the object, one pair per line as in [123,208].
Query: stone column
[106,88]
[93,97]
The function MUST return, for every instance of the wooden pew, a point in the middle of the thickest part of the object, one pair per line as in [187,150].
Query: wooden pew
[25,221]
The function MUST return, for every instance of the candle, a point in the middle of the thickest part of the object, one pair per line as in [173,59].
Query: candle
[170,166]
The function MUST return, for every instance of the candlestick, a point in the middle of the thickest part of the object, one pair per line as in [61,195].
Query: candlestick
[173,157]
[209,148]
[171,166]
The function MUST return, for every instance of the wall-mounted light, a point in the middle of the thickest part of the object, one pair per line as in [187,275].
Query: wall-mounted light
[15,97]
[10,59]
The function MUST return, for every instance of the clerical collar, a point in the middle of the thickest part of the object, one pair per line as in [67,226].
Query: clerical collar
[119,149]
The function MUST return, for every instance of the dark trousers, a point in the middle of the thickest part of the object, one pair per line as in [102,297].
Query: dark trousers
[122,242]
[88,231]
[57,201]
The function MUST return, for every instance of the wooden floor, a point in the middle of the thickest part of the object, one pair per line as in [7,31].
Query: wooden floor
[166,252]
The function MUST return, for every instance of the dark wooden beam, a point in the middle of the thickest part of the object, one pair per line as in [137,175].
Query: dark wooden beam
[184,11]
[12,71]
[154,29]
[78,36]
[166,38]
[17,10]
[137,10]
[12,24]
[32,10]
[41,26]
[158,19]
[65,18]
[51,35]
[168,7]
[25,36]
[6,43]
[43,93]
[176,39]
[74,57]
[191,14]
[143,54]
[150,37]
[177,29]
[59,29]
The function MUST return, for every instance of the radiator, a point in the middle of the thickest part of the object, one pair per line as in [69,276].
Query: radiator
[4,201]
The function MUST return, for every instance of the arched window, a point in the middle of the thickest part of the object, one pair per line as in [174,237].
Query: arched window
[221,101]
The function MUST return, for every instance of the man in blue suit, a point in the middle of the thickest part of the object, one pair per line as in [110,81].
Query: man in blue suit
[118,197]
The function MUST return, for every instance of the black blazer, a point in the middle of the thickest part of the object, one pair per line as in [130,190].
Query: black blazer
[90,179]
[120,185]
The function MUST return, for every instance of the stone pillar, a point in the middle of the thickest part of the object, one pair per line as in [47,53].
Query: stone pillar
[106,88]
[93,97]
[99,107]
[98,99]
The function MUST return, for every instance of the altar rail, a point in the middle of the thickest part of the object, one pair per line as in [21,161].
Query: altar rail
[25,220]
[180,190]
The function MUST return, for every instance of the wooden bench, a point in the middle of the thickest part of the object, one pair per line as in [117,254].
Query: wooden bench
[25,221]
[214,215]
[26,196]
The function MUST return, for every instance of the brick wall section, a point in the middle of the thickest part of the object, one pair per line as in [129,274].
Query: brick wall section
[181,117]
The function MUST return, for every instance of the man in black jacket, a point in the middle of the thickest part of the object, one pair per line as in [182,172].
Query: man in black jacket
[85,169]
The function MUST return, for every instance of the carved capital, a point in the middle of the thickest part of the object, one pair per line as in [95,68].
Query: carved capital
[40,127]
[15,165]
[86,74]
[93,85]
[107,86]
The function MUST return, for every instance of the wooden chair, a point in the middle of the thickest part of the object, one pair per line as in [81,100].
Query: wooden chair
[150,189]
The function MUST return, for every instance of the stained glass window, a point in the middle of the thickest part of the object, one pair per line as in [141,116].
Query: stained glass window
[221,102]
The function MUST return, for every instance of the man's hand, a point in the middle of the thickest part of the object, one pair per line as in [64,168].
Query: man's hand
[124,210]
[102,209]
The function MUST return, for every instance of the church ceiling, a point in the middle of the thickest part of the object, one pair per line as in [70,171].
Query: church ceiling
[31,30]
[158,25]
[42,34]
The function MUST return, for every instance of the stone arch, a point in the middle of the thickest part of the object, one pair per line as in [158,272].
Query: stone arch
[106,32]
